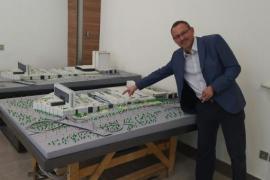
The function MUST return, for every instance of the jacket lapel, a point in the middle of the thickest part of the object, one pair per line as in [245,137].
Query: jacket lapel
[201,51]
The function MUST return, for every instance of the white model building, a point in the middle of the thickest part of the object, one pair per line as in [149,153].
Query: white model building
[63,101]
[102,62]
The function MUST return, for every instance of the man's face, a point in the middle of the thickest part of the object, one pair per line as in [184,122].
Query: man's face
[183,36]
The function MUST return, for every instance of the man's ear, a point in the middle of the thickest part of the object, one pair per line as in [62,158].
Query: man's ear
[192,29]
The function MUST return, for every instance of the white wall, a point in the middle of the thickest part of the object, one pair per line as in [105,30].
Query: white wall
[33,32]
[138,35]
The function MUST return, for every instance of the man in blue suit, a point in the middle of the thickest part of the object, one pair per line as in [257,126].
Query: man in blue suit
[205,70]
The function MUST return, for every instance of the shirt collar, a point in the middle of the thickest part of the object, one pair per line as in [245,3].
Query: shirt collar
[194,48]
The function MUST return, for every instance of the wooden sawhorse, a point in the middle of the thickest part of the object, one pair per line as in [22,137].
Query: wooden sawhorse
[94,171]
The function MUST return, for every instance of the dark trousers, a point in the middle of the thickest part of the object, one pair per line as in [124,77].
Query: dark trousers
[210,116]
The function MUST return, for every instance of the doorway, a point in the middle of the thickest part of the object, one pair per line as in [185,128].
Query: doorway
[83,30]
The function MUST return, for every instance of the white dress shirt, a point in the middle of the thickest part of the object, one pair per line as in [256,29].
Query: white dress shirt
[193,74]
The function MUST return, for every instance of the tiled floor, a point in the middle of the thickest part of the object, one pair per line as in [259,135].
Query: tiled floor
[15,166]
[185,168]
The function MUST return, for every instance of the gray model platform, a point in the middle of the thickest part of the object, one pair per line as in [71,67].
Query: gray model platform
[54,143]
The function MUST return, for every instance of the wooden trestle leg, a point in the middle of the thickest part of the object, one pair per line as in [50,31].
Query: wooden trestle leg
[172,154]
[73,172]
[94,171]
[34,168]
[103,165]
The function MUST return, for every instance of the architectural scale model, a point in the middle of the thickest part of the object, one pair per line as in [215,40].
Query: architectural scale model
[101,65]
[64,101]
[114,117]
[27,72]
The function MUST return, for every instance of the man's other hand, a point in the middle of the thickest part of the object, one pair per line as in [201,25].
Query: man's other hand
[207,93]
[130,90]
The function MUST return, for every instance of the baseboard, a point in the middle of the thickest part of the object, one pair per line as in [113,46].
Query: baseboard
[221,167]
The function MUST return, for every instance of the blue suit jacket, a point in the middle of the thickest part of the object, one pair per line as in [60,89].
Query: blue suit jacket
[219,68]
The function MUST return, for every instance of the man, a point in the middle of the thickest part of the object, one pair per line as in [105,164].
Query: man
[205,70]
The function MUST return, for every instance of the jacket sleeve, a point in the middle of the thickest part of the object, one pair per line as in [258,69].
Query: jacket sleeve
[155,76]
[231,67]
